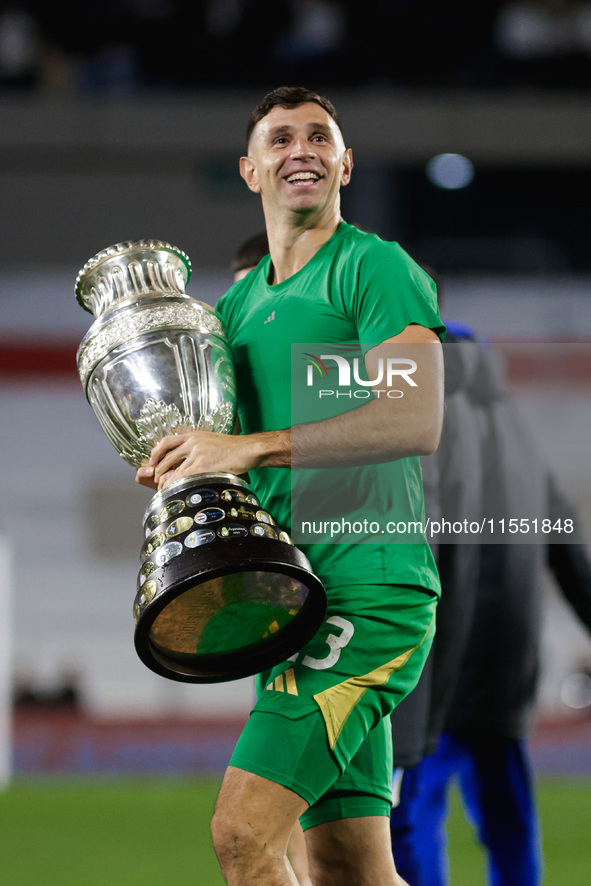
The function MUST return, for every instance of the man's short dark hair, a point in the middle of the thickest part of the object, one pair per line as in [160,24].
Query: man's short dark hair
[249,254]
[289,97]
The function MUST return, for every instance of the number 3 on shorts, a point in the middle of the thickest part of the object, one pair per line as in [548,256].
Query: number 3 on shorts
[337,642]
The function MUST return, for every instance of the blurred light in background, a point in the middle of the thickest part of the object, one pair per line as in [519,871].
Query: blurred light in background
[450,171]
[576,691]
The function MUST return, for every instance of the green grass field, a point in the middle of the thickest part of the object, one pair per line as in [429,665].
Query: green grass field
[150,832]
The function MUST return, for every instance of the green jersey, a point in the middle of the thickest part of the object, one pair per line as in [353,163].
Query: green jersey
[356,289]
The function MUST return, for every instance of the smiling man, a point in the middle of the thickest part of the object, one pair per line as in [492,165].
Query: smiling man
[316,747]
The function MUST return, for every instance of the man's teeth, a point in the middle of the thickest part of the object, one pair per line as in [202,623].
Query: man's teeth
[303,177]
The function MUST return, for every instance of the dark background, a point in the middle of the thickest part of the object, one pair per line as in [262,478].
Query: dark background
[125,119]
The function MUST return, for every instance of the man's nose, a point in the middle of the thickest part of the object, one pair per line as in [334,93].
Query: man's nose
[301,147]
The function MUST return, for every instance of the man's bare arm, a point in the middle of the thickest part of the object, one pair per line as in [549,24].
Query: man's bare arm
[382,429]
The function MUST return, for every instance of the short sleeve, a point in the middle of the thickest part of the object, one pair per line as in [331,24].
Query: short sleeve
[391,292]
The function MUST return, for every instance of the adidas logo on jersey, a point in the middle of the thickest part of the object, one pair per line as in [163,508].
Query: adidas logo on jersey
[285,683]
[270,317]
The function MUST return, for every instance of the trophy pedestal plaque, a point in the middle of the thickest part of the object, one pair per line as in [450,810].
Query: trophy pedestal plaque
[222,591]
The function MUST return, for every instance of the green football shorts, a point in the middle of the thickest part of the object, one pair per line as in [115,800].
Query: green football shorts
[321,724]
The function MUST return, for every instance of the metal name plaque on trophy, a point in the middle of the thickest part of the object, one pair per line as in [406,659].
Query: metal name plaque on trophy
[222,592]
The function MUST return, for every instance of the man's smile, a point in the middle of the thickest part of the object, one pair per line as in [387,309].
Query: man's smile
[303,179]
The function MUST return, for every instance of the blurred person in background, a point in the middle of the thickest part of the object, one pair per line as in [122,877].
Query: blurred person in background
[478,710]
[249,254]
[453,479]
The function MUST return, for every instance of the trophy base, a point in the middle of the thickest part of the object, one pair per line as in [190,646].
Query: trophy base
[225,600]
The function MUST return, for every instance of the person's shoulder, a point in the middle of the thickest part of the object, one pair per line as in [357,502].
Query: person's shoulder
[373,252]
[231,293]
[234,297]
[224,304]
[369,245]
[389,262]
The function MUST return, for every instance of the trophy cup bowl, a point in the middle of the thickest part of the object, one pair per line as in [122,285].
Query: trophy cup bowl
[222,592]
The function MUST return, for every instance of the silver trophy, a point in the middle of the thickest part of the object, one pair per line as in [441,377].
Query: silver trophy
[221,592]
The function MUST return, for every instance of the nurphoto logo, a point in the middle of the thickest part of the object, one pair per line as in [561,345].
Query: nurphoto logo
[388,370]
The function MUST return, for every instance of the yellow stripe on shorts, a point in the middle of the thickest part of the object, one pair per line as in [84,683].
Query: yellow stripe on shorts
[337,702]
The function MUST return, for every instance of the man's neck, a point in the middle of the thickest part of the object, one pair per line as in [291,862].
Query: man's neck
[292,247]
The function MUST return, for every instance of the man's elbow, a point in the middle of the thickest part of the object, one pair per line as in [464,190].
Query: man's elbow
[428,440]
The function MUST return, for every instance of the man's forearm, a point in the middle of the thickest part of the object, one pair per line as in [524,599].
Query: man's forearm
[382,429]
[270,448]
[371,434]
[367,435]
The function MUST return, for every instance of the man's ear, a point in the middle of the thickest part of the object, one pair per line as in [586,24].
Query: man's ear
[347,167]
[248,173]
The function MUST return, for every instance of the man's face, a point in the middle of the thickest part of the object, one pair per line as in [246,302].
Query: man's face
[297,160]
